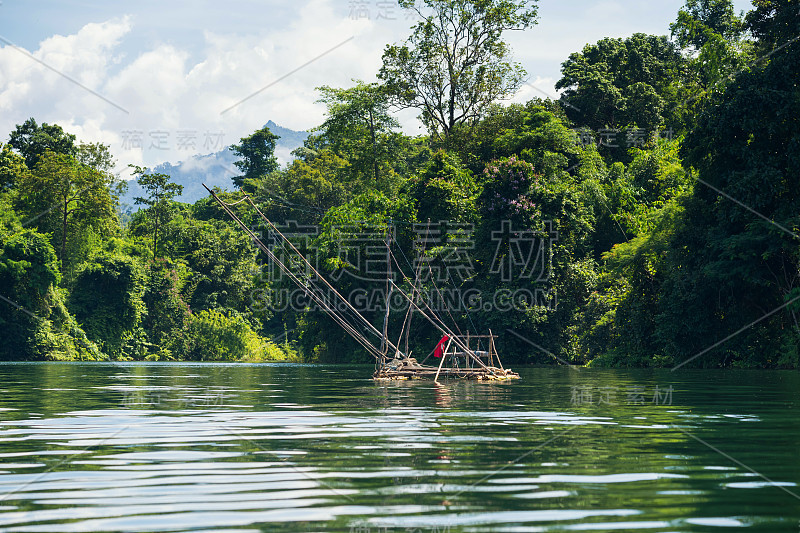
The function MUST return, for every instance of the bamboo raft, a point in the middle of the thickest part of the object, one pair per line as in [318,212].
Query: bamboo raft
[481,363]
[466,363]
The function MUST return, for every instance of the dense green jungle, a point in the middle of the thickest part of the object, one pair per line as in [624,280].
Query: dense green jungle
[646,217]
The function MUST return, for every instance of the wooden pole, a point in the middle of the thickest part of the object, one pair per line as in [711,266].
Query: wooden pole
[326,306]
[441,363]
[466,360]
[385,340]
[494,349]
[366,323]
[443,329]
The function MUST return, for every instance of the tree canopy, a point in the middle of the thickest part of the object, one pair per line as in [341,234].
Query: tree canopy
[699,20]
[32,141]
[257,155]
[455,63]
[622,82]
[160,191]
[578,223]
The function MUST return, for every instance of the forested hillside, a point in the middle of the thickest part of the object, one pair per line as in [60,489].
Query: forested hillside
[648,217]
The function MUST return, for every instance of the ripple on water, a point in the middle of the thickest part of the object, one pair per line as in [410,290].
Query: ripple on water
[318,457]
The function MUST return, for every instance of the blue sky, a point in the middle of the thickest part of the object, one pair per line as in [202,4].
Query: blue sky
[175,66]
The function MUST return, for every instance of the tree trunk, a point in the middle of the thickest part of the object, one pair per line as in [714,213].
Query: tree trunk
[374,145]
[155,238]
[64,231]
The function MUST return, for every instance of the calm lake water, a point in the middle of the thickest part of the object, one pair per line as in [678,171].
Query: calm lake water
[180,447]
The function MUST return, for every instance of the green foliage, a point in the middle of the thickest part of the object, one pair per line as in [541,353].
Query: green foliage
[257,153]
[654,177]
[774,24]
[699,20]
[510,189]
[358,127]
[160,191]
[220,259]
[167,311]
[33,141]
[366,213]
[363,223]
[635,302]
[649,253]
[97,156]
[455,63]
[714,37]
[34,321]
[68,200]
[622,82]
[538,136]
[214,335]
[730,267]
[306,189]
[9,220]
[106,299]
[12,168]
[445,191]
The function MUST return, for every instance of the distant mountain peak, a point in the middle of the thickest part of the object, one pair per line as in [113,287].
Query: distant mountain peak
[289,137]
[215,169]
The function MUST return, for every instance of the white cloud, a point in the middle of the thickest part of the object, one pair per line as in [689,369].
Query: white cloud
[34,90]
[175,103]
[536,87]
[175,78]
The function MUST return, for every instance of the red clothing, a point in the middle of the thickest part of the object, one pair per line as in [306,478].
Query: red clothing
[438,352]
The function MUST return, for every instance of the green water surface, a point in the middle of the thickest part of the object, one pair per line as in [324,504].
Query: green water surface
[181,447]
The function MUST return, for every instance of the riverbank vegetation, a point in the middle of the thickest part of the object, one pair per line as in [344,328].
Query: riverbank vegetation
[643,218]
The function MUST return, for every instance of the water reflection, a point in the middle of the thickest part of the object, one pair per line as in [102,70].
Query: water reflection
[215,447]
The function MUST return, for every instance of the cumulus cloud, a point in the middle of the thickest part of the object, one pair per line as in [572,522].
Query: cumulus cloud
[50,78]
[167,94]
[173,98]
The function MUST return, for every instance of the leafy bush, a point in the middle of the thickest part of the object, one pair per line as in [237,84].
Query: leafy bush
[33,318]
[214,335]
[107,300]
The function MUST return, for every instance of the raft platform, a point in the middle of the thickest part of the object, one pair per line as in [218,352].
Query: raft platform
[463,362]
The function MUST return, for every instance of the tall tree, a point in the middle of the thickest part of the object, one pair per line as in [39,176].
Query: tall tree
[698,20]
[357,125]
[620,82]
[160,192]
[306,189]
[257,153]
[97,156]
[63,197]
[32,141]
[12,168]
[712,37]
[774,23]
[455,63]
